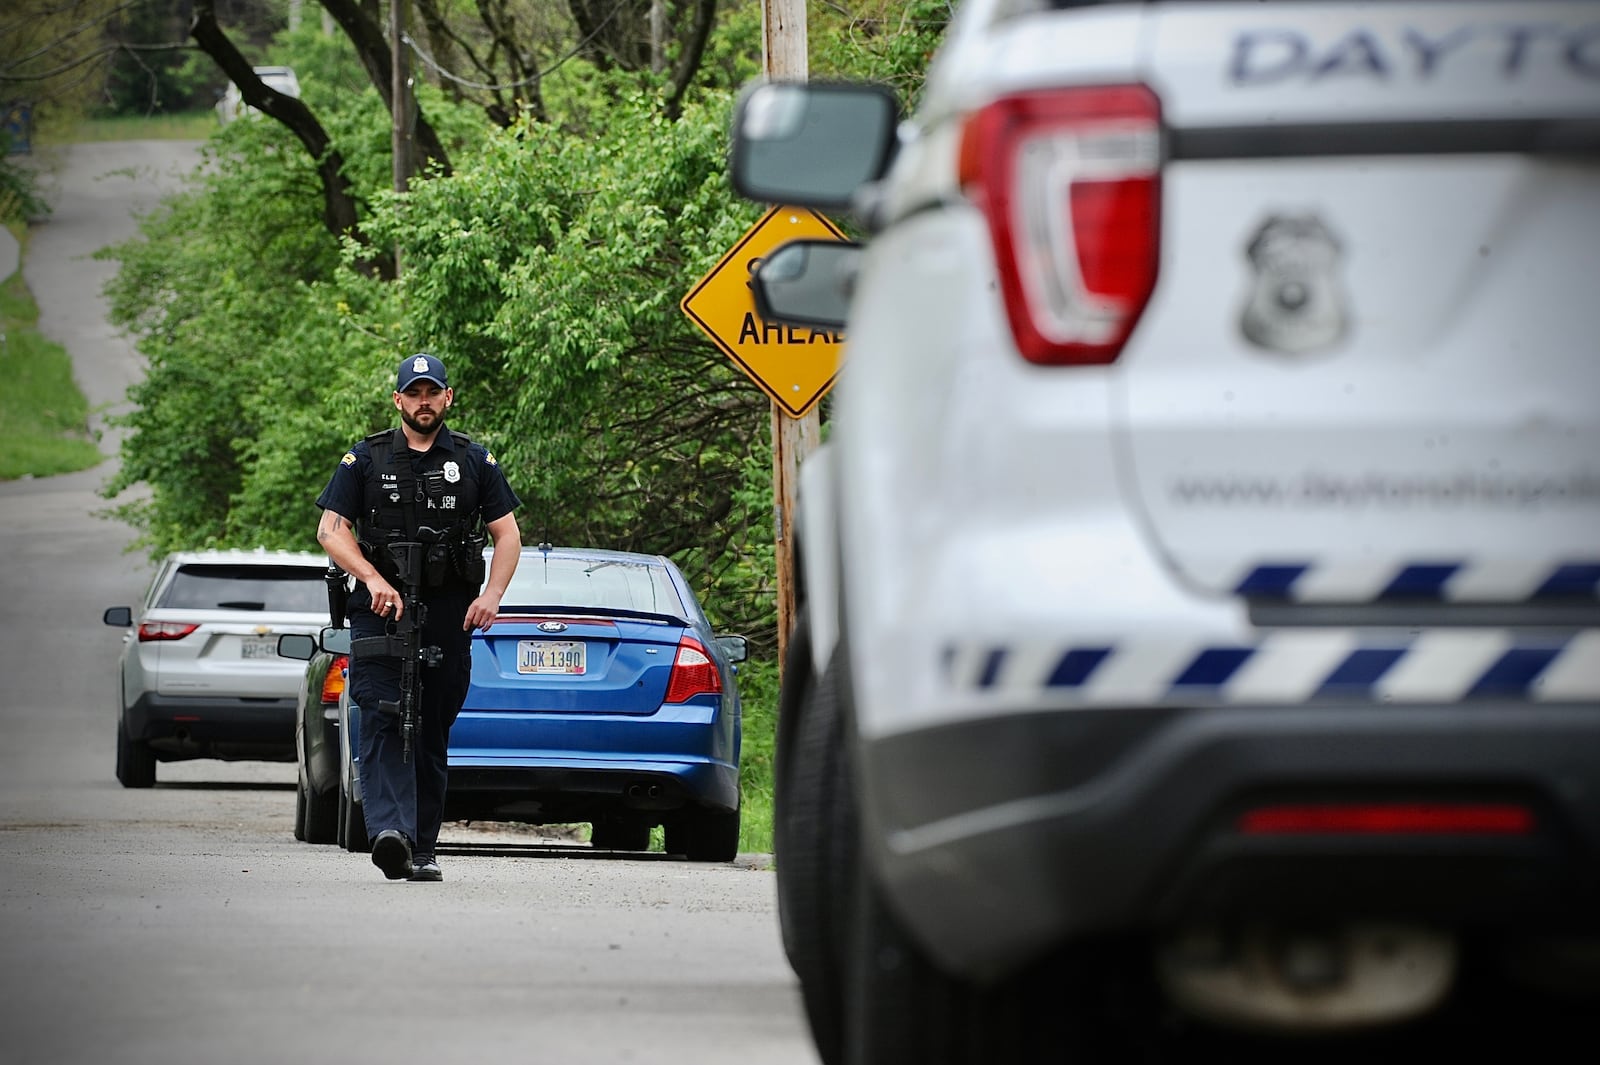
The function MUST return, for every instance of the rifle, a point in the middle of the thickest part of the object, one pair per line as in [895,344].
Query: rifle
[404,641]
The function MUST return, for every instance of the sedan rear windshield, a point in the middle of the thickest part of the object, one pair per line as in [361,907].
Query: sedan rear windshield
[600,583]
[201,586]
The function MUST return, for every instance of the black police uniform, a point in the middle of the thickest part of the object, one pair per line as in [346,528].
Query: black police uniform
[441,494]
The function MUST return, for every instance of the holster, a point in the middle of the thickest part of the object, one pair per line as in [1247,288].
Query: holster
[338,582]
[466,557]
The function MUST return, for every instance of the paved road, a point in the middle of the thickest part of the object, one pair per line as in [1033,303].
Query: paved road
[183,924]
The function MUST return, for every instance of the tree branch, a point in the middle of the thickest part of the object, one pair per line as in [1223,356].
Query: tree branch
[372,47]
[338,204]
[705,16]
[100,53]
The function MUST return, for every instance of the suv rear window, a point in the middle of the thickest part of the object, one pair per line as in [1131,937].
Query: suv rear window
[230,587]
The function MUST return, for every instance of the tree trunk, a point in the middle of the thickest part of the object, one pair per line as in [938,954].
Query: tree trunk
[373,49]
[705,16]
[338,206]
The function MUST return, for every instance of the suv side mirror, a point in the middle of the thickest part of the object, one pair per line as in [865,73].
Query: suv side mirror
[811,144]
[807,282]
[120,616]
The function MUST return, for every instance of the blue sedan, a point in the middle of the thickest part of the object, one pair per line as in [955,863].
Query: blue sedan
[599,695]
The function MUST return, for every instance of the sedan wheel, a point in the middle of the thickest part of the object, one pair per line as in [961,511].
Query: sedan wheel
[354,830]
[620,836]
[703,835]
[321,816]
[300,806]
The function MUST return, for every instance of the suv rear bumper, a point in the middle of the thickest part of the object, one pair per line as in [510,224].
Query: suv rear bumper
[1000,837]
[179,727]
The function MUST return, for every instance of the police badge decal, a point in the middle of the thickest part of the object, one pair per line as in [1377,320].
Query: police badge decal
[1295,303]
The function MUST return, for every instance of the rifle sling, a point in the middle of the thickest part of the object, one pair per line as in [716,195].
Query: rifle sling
[388,646]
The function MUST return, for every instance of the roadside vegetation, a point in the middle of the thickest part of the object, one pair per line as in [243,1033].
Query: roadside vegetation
[178,126]
[569,190]
[44,418]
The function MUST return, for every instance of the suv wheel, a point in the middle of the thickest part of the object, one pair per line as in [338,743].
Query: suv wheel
[808,853]
[893,1006]
[136,763]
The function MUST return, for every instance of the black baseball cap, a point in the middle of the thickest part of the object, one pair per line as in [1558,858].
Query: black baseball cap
[420,367]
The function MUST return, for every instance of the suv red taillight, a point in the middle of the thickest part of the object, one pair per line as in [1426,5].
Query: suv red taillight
[693,672]
[1403,818]
[1070,181]
[333,680]
[164,630]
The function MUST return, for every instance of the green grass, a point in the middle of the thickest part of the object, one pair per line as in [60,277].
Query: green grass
[758,692]
[44,418]
[191,126]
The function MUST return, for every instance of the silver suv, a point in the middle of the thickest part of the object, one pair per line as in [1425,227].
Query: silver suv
[1200,580]
[201,675]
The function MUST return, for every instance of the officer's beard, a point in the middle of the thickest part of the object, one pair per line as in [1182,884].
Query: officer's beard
[420,428]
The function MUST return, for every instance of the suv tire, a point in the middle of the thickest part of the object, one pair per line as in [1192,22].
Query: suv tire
[809,853]
[136,763]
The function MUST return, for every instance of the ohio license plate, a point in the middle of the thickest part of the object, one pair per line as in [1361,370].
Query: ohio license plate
[552,656]
[258,647]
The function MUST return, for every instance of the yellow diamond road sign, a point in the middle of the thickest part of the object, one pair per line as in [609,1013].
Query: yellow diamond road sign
[795,365]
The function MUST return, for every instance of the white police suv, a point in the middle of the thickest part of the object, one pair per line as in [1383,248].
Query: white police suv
[1201,583]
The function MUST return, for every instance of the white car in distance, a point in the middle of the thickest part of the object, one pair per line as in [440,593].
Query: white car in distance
[281,79]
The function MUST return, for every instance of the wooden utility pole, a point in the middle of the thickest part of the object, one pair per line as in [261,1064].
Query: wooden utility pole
[783,50]
[403,111]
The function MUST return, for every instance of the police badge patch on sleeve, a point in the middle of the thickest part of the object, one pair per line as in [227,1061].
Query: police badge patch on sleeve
[1295,304]
[349,459]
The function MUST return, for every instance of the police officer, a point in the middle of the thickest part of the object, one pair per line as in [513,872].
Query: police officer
[419,482]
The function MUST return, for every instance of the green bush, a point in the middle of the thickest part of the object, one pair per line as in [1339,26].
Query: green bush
[44,419]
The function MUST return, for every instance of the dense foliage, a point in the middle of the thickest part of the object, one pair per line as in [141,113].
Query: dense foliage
[546,268]
[544,264]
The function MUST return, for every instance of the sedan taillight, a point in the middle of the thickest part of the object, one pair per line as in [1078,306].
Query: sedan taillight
[164,630]
[693,672]
[333,680]
[1070,182]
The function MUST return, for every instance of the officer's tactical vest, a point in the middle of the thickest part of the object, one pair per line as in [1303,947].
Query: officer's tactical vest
[436,504]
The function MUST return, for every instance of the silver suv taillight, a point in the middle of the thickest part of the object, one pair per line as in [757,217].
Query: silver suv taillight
[1070,181]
